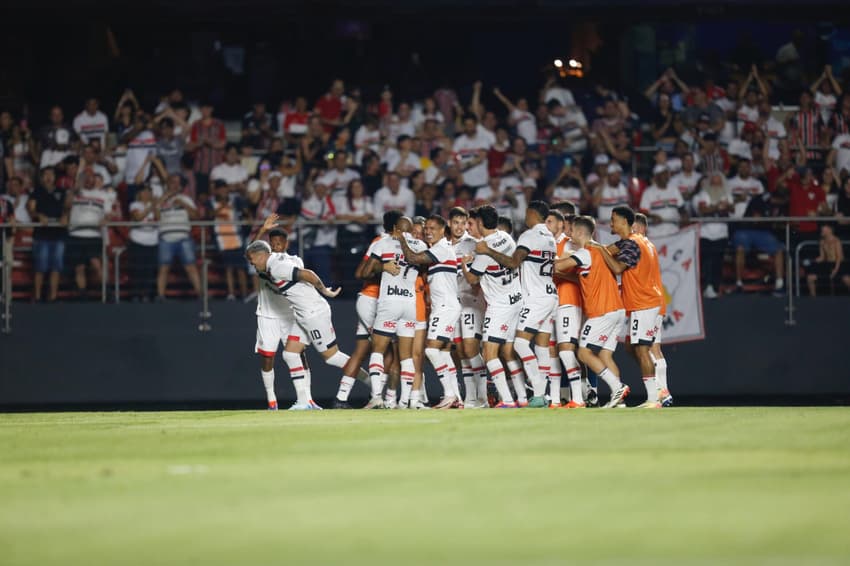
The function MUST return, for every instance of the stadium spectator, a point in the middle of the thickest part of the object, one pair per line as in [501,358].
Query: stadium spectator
[471,151]
[17,197]
[90,206]
[394,196]
[401,124]
[519,117]
[329,106]
[435,172]
[609,193]
[712,159]
[47,206]
[295,122]
[20,153]
[402,160]
[666,85]
[789,67]
[339,178]
[713,200]
[91,123]
[569,186]
[663,204]
[319,241]
[807,198]
[662,128]
[687,180]
[174,212]
[756,236]
[841,117]
[826,90]
[169,146]
[257,127]
[91,157]
[56,139]
[141,143]
[805,124]
[143,246]
[231,171]
[227,208]
[830,265]
[839,155]
[842,209]
[207,140]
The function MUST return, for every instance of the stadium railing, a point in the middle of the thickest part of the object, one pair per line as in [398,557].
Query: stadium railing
[206,253]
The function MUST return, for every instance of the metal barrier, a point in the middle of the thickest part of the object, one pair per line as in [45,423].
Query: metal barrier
[792,267]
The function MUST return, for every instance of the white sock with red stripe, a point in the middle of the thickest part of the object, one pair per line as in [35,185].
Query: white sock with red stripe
[268,383]
[544,364]
[479,371]
[611,379]
[660,371]
[532,368]
[651,388]
[376,370]
[497,374]
[555,380]
[469,382]
[433,355]
[407,373]
[568,357]
[451,372]
[308,381]
[345,385]
[515,371]
[297,372]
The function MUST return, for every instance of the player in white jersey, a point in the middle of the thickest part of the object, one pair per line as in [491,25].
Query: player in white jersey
[504,300]
[534,255]
[396,314]
[304,291]
[276,324]
[445,306]
[464,233]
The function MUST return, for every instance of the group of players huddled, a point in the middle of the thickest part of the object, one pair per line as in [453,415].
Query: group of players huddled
[512,318]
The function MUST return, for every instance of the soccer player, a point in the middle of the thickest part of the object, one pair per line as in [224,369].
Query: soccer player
[276,324]
[568,316]
[655,351]
[504,300]
[602,306]
[633,260]
[396,315]
[445,307]
[534,255]
[464,232]
[305,292]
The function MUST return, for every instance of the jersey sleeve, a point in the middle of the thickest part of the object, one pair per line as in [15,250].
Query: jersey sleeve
[479,264]
[284,270]
[376,250]
[525,241]
[581,257]
[629,253]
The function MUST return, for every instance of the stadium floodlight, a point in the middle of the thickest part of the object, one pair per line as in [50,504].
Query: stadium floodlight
[559,63]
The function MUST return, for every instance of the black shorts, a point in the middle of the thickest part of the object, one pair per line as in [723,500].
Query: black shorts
[824,269]
[79,251]
[233,258]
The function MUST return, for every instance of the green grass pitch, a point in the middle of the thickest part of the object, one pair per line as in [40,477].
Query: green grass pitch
[680,486]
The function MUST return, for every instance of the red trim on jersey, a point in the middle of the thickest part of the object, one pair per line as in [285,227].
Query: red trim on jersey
[265,353]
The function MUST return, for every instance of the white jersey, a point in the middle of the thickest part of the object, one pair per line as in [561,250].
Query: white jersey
[749,187]
[466,149]
[611,197]
[500,284]
[401,287]
[270,303]
[90,127]
[535,271]
[282,275]
[664,203]
[338,183]
[89,207]
[442,274]
[468,294]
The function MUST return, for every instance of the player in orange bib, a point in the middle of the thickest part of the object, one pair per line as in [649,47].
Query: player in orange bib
[633,258]
[655,353]
[602,306]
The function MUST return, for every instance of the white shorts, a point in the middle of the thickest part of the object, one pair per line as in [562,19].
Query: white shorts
[568,324]
[537,314]
[367,308]
[273,331]
[659,326]
[642,326]
[500,323]
[319,328]
[396,318]
[471,323]
[444,322]
[601,332]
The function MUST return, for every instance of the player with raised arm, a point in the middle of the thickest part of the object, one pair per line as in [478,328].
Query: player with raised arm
[396,315]
[464,232]
[305,292]
[634,261]
[655,352]
[504,300]
[602,306]
[276,324]
[534,255]
[442,266]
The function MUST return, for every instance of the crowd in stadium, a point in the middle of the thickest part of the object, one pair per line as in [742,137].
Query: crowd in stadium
[721,149]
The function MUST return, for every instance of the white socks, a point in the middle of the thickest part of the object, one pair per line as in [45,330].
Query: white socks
[515,371]
[611,379]
[268,383]
[660,371]
[345,385]
[555,380]
[468,382]
[407,373]
[497,374]
[376,374]
[297,372]
[529,362]
[568,357]
[337,360]
[651,387]
[544,364]
[479,372]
